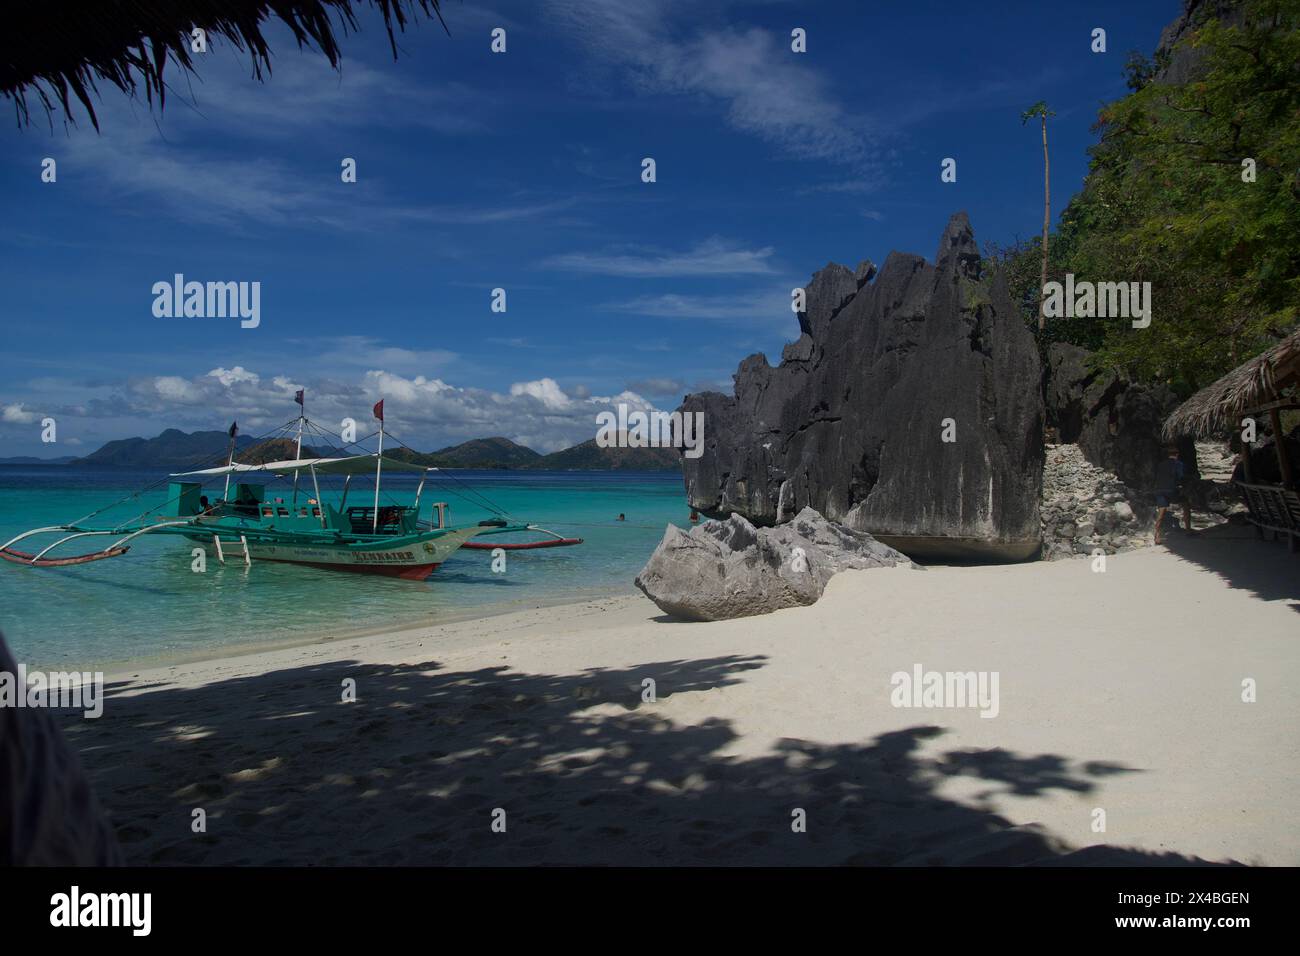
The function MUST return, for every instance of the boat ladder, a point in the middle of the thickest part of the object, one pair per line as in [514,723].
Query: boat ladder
[243,541]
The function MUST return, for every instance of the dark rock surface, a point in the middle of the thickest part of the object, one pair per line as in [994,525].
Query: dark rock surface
[1114,421]
[727,569]
[1265,468]
[1087,510]
[1179,61]
[851,422]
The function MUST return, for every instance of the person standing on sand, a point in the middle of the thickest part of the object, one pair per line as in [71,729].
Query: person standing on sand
[1169,480]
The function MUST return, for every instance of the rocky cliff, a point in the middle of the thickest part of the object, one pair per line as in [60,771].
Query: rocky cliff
[1115,421]
[854,420]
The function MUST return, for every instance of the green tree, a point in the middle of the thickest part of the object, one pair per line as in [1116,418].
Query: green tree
[1195,187]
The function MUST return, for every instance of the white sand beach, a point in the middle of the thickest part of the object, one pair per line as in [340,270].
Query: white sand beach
[1118,691]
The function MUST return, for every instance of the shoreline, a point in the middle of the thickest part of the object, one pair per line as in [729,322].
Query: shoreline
[117,669]
[464,634]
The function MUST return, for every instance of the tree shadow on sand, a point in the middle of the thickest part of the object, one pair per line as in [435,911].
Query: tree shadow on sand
[588,774]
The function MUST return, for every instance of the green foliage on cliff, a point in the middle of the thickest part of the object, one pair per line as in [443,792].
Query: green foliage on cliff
[1168,200]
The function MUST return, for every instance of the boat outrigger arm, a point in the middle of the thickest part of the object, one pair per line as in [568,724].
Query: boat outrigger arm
[387,540]
[39,560]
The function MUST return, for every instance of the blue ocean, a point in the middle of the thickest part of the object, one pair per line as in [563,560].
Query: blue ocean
[149,605]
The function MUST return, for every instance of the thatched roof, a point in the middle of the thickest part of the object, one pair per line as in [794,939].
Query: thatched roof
[1265,378]
[59,49]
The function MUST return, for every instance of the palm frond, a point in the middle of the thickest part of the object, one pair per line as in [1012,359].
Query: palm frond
[60,50]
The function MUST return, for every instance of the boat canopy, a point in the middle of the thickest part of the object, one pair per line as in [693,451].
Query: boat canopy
[352,465]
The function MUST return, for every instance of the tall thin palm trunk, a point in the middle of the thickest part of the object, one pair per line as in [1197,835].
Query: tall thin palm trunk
[1047,221]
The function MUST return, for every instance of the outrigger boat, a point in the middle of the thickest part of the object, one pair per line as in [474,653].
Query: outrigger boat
[388,539]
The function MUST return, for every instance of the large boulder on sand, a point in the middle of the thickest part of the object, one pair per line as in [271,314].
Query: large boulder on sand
[726,569]
[910,408]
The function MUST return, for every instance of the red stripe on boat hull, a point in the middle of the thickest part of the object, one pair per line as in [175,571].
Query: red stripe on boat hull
[521,545]
[409,572]
[22,557]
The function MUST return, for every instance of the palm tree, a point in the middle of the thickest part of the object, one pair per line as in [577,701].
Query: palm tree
[55,54]
[1040,110]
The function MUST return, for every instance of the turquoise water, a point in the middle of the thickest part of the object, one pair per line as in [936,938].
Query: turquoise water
[149,604]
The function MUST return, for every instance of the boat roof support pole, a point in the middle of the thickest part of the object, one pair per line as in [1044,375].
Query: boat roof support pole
[230,461]
[298,457]
[419,491]
[320,505]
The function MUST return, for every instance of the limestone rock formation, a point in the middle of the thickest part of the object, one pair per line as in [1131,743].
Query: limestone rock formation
[1114,421]
[1086,509]
[726,569]
[852,423]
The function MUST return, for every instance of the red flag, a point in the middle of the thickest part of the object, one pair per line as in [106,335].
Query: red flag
[298,398]
[379,409]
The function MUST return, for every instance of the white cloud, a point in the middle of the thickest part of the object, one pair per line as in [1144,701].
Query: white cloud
[415,391]
[481,215]
[713,256]
[306,93]
[658,386]
[213,158]
[17,414]
[545,390]
[860,186]
[172,388]
[764,88]
[228,377]
[360,351]
[751,308]
[425,412]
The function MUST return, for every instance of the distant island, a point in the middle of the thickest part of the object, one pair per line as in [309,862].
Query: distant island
[177,449]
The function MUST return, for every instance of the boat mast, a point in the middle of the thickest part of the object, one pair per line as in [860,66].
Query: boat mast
[230,459]
[302,413]
[379,463]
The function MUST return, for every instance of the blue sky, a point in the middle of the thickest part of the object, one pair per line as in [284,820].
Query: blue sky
[522,171]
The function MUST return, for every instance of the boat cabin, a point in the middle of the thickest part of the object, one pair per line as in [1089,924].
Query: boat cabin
[250,507]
